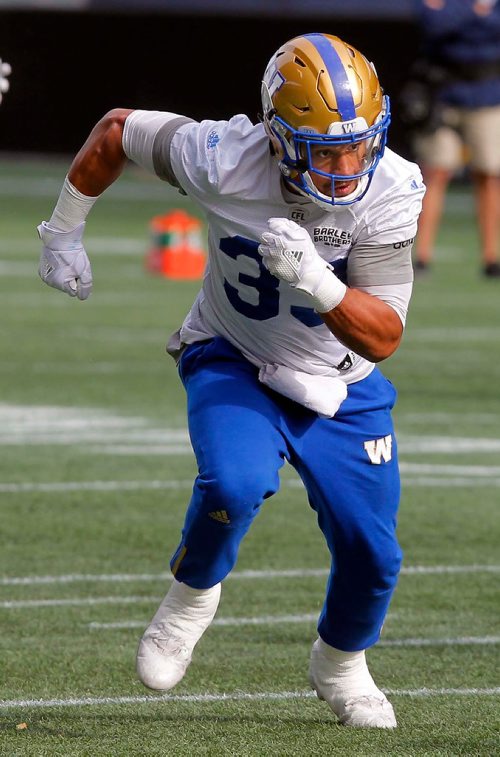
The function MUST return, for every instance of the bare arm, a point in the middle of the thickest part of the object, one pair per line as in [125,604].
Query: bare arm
[365,324]
[361,321]
[64,263]
[101,160]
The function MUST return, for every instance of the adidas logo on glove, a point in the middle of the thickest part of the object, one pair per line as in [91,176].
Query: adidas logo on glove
[294,257]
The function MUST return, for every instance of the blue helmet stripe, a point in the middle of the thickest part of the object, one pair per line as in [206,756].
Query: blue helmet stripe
[338,75]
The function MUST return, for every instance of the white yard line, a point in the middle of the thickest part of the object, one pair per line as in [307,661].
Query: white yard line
[99,486]
[263,620]
[471,475]
[159,442]
[271,620]
[19,186]
[450,470]
[242,574]
[459,641]
[118,434]
[69,578]
[456,483]
[16,604]
[448,445]
[263,696]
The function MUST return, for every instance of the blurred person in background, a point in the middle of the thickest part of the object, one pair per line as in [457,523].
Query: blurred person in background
[452,100]
[5,71]
[311,222]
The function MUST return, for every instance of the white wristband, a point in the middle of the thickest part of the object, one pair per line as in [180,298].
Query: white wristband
[72,208]
[330,292]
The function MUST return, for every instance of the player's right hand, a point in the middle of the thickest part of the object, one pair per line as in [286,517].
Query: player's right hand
[289,254]
[64,263]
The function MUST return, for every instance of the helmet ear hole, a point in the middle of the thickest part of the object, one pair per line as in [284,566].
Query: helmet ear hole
[269,111]
[276,146]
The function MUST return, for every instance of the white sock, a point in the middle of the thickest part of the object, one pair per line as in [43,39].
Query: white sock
[348,671]
[188,611]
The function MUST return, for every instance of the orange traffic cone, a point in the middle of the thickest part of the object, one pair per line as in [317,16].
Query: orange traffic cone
[176,251]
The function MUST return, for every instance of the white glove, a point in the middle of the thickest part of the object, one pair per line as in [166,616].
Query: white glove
[64,263]
[5,71]
[289,253]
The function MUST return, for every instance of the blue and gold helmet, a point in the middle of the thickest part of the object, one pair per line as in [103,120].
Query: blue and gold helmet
[319,90]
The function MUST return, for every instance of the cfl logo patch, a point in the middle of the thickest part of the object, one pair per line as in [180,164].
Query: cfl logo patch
[379,449]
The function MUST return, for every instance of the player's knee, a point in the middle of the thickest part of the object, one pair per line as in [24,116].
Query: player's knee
[384,561]
[236,495]
[373,564]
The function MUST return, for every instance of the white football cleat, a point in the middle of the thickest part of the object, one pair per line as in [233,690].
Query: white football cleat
[167,644]
[343,681]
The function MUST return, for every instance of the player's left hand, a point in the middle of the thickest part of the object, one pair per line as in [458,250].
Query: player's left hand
[288,252]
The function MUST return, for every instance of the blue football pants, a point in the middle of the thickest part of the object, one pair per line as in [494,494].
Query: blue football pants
[242,432]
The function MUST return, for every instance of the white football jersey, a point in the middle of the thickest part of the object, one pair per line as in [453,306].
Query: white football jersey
[227,168]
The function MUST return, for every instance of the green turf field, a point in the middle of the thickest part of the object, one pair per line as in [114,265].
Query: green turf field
[96,470]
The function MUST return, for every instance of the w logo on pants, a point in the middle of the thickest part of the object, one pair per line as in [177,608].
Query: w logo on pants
[378,449]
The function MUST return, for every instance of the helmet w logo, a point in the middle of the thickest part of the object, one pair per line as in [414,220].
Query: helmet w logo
[348,127]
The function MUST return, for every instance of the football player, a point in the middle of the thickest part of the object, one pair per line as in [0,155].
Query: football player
[310,227]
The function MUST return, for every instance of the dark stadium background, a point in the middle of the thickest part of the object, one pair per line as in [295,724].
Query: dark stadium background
[71,67]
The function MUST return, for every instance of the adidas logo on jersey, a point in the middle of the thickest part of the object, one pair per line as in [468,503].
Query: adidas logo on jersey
[219,515]
[379,449]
